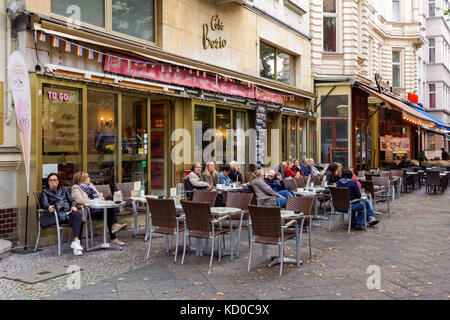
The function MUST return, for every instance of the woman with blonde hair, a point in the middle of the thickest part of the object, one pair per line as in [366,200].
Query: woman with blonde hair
[235,174]
[83,191]
[210,175]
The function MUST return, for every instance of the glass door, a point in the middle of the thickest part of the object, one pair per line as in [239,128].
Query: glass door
[159,154]
[134,140]
[102,158]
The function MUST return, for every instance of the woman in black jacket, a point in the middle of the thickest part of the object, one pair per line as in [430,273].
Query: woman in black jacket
[332,173]
[56,200]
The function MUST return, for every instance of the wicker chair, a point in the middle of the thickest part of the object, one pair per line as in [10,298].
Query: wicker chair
[205,196]
[341,204]
[248,176]
[386,193]
[434,181]
[301,183]
[164,221]
[105,189]
[291,183]
[200,224]
[316,180]
[266,229]
[59,227]
[304,205]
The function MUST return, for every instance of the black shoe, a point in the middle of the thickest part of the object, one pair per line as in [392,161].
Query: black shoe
[373,223]
[359,227]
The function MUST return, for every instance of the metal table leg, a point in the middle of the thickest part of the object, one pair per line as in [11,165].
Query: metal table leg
[105,244]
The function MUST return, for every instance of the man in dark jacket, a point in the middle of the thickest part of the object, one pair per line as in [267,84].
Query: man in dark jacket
[445,155]
[277,184]
[347,182]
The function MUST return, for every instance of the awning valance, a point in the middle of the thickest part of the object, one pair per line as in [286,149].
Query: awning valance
[439,123]
[408,113]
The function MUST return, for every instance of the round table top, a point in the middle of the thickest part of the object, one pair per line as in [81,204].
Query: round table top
[143,199]
[286,214]
[214,210]
[227,189]
[105,204]
[316,190]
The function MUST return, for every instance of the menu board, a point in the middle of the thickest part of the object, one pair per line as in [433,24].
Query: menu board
[261,136]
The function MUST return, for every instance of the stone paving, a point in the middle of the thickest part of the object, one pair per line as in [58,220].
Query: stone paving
[412,250]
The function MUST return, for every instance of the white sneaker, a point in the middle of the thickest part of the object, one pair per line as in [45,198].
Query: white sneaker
[76,246]
[79,245]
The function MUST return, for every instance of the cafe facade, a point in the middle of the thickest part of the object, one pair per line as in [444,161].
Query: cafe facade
[136,103]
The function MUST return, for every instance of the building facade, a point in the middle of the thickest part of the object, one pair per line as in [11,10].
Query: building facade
[130,97]
[354,42]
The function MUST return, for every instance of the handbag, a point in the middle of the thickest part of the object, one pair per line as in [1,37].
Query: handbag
[61,211]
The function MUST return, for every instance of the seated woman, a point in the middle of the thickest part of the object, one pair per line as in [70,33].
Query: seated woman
[224,176]
[210,174]
[235,174]
[289,172]
[83,191]
[56,200]
[296,168]
[332,173]
[262,189]
[347,182]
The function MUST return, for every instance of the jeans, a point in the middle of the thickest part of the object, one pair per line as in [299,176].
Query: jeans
[76,222]
[111,219]
[285,193]
[281,202]
[359,206]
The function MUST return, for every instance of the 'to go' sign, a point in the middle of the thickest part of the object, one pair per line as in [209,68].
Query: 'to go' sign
[58,96]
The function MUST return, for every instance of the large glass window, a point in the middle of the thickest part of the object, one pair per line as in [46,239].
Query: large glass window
[276,64]
[204,118]
[239,119]
[432,8]
[135,18]
[293,138]
[158,148]
[61,132]
[396,10]
[432,92]
[432,50]
[102,137]
[88,11]
[223,123]
[396,69]
[329,26]
[334,137]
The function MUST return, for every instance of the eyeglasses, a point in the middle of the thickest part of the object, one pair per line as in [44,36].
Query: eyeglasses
[53,180]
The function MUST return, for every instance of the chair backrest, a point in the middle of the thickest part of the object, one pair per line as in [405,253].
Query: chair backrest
[433,178]
[164,213]
[361,175]
[105,189]
[291,183]
[266,221]
[37,196]
[316,180]
[386,174]
[340,197]
[368,186]
[248,176]
[382,181]
[198,215]
[125,188]
[374,171]
[205,196]
[239,200]
[397,173]
[302,204]
[300,182]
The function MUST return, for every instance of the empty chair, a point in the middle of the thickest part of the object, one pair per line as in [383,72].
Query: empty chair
[267,229]
[387,192]
[291,183]
[433,181]
[105,189]
[316,180]
[205,196]
[200,224]
[341,205]
[164,221]
[304,205]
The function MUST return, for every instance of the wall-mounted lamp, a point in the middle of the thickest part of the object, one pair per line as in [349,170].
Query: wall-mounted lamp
[106,123]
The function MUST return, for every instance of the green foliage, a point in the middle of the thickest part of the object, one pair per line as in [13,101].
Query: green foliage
[422,157]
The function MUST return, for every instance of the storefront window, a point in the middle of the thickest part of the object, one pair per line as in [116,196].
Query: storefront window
[334,137]
[223,123]
[284,137]
[204,116]
[239,146]
[302,135]
[293,138]
[88,11]
[61,132]
[158,149]
[313,139]
[102,137]
[135,18]
[134,140]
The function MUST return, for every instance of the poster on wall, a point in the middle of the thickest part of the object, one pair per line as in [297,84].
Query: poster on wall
[20,88]
[389,143]
[261,136]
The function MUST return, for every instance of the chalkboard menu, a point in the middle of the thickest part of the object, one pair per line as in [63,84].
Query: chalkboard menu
[261,136]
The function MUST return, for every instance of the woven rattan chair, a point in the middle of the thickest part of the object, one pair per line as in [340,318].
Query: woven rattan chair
[300,182]
[205,196]
[60,228]
[304,205]
[248,176]
[387,193]
[341,205]
[164,221]
[201,225]
[105,189]
[266,229]
[316,180]
[291,183]
[433,181]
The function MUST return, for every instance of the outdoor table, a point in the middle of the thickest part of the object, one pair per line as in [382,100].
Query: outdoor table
[105,205]
[142,200]
[285,215]
[317,191]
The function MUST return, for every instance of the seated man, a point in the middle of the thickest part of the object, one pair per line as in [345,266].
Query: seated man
[224,176]
[314,170]
[195,179]
[282,169]
[263,190]
[306,169]
[347,182]
[277,184]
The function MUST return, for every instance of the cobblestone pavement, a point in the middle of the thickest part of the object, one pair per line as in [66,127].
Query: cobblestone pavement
[412,250]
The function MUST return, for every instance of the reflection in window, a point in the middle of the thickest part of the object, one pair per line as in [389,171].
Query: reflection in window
[61,132]
[285,68]
[223,123]
[267,56]
[276,64]
[89,11]
[293,133]
[329,26]
[204,115]
[135,18]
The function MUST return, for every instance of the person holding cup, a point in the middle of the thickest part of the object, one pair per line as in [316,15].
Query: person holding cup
[83,191]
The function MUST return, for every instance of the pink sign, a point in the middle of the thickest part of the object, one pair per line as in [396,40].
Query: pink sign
[188,78]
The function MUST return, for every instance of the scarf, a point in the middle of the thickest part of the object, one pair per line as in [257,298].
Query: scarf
[88,189]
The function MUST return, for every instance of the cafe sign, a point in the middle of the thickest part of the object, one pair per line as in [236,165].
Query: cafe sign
[214,25]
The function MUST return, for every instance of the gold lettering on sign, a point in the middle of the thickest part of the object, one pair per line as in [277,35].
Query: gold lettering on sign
[214,25]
